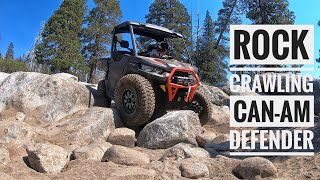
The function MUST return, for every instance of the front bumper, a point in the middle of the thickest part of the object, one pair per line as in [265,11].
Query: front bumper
[174,84]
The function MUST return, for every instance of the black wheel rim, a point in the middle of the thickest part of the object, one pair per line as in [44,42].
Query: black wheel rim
[129,101]
[196,107]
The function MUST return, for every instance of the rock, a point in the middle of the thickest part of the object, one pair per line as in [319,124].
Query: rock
[93,151]
[20,116]
[3,76]
[194,170]
[170,129]
[4,156]
[66,76]
[42,98]
[226,89]
[83,127]
[125,156]
[205,137]
[183,151]
[47,158]
[220,115]
[219,145]
[123,137]
[216,95]
[254,168]
[19,133]
[221,139]
[133,173]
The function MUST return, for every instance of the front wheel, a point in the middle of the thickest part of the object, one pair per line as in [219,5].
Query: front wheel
[202,106]
[135,99]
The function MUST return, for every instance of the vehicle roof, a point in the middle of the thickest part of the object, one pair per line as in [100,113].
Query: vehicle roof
[145,29]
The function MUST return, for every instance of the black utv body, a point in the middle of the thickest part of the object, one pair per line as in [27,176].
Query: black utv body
[144,87]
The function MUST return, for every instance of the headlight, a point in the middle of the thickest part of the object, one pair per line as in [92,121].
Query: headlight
[151,69]
[146,68]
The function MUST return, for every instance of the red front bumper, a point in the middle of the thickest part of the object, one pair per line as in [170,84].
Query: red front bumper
[173,88]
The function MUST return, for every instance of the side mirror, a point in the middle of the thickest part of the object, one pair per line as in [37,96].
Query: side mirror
[124,44]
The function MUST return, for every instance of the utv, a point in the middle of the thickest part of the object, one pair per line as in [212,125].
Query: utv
[144,87]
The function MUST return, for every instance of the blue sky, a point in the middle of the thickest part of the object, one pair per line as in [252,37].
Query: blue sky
[20,21]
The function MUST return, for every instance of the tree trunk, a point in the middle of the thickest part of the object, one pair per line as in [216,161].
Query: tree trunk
[226,24]
[92,73]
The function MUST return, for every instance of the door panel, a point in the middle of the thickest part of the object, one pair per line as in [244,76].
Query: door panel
[116,69]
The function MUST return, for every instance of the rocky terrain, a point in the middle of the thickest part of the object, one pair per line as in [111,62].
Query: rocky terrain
[52,128]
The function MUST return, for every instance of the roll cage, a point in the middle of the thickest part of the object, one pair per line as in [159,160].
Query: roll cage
[135,28]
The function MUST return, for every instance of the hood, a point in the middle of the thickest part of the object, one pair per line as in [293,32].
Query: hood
[168,63]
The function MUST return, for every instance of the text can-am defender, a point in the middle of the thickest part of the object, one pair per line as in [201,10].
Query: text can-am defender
[144,87]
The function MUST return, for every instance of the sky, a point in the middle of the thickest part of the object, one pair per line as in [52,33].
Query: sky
[20,21]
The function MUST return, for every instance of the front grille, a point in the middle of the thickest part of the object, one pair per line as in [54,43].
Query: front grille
[184,81]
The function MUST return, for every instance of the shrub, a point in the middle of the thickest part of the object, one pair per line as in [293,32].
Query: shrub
[10,66]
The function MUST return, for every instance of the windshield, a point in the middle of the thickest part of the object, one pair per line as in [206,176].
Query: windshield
[166,48]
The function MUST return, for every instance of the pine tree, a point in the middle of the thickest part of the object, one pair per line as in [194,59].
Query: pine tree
[229,14]
[211,64]
[31,61]
[98,34]
[269,11]
[258,11]
[173,15]
[10,52]
[60,47]
[0,56]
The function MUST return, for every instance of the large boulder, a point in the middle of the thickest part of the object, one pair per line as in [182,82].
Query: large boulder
[170,129]
[66,76]
[93,151]
[255,168]
[3,76]
[220,115]
[123,137]
[83,127]
[125,156]
[216,95]
[47,158]
[42,98]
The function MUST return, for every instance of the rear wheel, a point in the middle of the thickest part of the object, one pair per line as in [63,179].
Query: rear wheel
[135,99]
[102,90]
[202,106]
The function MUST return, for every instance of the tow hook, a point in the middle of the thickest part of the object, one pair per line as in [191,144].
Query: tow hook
[187,97]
